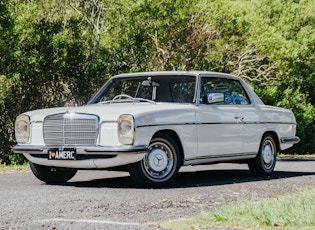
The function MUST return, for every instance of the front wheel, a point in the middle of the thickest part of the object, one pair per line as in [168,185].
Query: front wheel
[265,161]
[160,165]
[52,175]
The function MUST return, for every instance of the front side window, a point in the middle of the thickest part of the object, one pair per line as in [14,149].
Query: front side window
[223,91]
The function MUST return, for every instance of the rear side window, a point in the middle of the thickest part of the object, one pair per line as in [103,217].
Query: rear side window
[225,91]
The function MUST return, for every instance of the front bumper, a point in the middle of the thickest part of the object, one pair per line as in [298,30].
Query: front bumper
[88,157]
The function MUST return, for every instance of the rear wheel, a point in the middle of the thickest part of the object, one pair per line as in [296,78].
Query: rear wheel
[161,163]
[52,175]
[265,161]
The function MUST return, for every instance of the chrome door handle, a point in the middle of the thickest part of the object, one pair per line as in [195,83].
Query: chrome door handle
[239,117]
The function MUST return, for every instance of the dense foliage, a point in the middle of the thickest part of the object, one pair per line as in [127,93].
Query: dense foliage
[58,51]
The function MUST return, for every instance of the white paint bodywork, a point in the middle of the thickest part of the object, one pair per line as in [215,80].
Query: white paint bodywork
[206,133]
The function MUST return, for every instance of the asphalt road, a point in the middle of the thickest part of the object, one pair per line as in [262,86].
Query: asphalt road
[110,200]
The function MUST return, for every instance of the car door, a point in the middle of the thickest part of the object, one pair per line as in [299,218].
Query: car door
[219,117]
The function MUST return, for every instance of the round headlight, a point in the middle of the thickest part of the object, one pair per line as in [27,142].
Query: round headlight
[22,129]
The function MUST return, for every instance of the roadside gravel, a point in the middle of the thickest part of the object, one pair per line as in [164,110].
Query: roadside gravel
[110,200]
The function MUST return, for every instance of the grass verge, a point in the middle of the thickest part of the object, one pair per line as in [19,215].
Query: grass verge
[293,211]
[14,168]
[296,156]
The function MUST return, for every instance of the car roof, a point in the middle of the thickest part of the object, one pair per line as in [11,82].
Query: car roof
[174,73]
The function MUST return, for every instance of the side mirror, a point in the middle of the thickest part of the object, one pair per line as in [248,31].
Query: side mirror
[215,97]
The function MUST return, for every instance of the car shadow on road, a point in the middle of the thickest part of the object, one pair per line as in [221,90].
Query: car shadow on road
[223,177]
[191,179]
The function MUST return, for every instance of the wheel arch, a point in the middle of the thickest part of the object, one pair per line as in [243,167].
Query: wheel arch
[176,138]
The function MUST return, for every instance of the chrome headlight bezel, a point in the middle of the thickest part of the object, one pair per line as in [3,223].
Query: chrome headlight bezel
[126,129]
[22,129]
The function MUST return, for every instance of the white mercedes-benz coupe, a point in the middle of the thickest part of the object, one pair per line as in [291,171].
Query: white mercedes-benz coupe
[152,123]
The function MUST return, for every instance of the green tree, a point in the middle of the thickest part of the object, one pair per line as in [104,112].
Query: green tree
[58,51]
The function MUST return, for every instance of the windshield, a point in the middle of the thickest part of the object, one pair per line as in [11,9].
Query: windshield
[177,89]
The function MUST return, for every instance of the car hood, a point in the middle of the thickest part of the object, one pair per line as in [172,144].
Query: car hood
[111,112]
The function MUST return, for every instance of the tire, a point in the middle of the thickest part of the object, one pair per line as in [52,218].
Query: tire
[265,161]
[52,175]
[160,165]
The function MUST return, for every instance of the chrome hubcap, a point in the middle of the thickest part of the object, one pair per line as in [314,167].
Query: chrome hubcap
[268,154]
[158,162]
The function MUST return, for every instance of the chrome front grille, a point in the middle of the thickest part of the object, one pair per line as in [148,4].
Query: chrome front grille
[70,129]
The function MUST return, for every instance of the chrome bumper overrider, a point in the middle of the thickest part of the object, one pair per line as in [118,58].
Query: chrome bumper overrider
[290,140]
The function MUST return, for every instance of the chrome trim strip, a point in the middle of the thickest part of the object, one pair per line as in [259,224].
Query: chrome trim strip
[217,123]
[154,125]
[222,156]
[219,158]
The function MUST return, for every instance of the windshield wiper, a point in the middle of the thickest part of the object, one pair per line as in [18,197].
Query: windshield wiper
[133,100]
